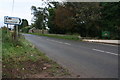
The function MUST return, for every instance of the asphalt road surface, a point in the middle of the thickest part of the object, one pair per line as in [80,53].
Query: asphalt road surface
[87,59]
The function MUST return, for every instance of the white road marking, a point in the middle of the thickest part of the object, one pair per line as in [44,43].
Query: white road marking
[67,43]
[105,52]
[39,37]
[58,42]
[98,50]
[92,49]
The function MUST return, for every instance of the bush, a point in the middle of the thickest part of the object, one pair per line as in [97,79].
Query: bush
[25,30]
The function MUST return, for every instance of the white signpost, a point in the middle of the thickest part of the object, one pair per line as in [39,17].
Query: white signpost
[12,20]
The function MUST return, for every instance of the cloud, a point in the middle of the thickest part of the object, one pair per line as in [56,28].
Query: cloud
[22,9]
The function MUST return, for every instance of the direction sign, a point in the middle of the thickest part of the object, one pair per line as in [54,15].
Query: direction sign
[12,20]
[105,34]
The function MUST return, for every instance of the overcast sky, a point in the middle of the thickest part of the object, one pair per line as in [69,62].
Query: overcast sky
[22,9]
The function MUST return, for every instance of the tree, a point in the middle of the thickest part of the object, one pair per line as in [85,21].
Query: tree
[64,19]
[42,14]
[111,19]
[38,16]
[87,19]
[75,17]
[24,24]
[85,15]
[53,28]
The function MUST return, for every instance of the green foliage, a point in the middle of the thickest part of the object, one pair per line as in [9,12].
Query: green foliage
[8,38]
[51,24]
[110,18]
[40,16]
[23,60]
[25,29]
[24,24]
[87,19]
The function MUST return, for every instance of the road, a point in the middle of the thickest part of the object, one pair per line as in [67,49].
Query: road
[87,59]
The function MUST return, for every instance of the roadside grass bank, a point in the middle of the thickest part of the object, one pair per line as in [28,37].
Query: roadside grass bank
[0,45]
[78,38]
[67,37]
[22,60]
[0,53]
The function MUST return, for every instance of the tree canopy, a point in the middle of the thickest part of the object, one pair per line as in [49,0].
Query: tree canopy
[84,18]
[24,24]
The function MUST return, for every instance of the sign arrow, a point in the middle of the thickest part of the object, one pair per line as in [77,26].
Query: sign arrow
[20,21]
[12,20]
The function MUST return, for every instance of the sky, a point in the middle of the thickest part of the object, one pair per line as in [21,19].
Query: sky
[22,8]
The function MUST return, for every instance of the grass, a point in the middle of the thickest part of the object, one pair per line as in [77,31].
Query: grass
[0,53]
[23,60]
[68,37]
[0,44]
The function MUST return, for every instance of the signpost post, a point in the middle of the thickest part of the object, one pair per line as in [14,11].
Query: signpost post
[7,28]
[13,21]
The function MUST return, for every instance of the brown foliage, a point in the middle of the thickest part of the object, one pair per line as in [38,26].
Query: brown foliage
[64,18]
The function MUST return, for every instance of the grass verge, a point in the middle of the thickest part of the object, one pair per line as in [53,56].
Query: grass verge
[68,37]
[23,60]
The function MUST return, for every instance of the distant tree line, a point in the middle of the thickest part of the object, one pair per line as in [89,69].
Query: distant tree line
[83,18]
